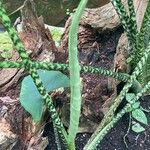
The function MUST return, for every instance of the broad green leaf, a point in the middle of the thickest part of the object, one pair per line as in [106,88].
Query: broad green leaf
[30,98]
[130,97]
[139,115]
[137,128]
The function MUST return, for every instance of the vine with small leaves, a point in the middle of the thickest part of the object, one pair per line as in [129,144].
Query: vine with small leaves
[139,51]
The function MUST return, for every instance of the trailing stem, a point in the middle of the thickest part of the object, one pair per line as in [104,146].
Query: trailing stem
[105,130]
[65,67]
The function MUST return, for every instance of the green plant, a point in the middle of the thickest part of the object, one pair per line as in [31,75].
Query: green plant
[56,33]
[33,102]
[138,57]
[137,113]
[33,72]
[74,69]
[135,53]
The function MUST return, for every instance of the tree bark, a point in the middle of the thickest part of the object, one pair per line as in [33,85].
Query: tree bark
[18,131]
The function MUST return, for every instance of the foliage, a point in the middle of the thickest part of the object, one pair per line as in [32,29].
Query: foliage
[74,69]
[137,113]
[33,102]
[136,127]
[33,72]
[138,57]
[6,45]
[127,21]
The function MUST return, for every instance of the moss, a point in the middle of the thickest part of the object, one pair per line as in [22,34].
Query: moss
[56,33]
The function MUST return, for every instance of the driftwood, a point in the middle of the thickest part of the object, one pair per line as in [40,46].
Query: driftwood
[103,19]
[18,131]
[37,40]
[17,128]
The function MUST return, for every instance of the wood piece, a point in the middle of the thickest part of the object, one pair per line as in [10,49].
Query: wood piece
[22,133]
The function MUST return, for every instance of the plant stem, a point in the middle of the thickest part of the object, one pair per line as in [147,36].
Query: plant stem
[110,125]
[110,114]
[105,130]
[33,72]
[65,67]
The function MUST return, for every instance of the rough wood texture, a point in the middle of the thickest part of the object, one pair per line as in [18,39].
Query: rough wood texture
[37,41]
[140,7]
[18,131]
[102,20]
[22,133]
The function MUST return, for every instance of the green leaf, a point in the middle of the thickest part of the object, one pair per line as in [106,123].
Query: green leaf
[130,97]
[136,105]
[140,116]
[137,128]
[30,98]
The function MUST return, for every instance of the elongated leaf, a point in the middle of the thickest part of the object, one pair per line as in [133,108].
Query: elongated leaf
[143,42]
[75,85]
[140,116]
[30,98]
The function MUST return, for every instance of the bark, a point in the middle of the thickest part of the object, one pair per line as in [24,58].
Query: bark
[18,131]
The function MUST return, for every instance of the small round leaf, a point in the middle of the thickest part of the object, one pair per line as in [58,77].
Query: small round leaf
[137,128]
[140,116]
[130,97]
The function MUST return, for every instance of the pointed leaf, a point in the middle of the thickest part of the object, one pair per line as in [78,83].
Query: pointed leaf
[130,97]
[136,105]
[30,98]
[137,128]
[140,116]
[53,79]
